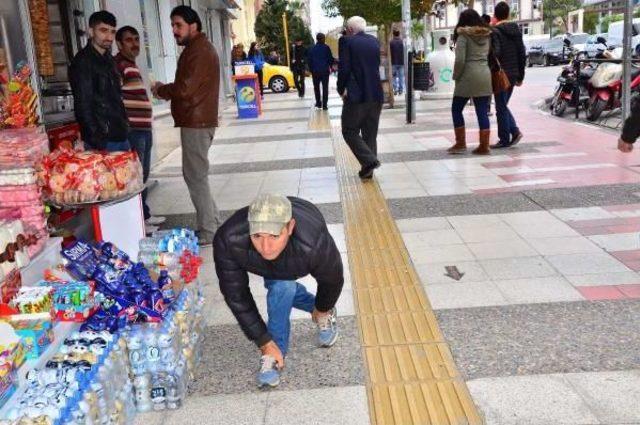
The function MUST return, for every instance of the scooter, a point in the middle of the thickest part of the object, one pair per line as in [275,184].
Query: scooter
[572,88]
[605,86]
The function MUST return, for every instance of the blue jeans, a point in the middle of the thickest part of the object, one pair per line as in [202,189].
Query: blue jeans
[482,111]
[141,142]
[282,296]
[112,146]
[507,126]
[398,78]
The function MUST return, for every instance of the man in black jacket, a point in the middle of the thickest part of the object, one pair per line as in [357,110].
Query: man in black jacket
[510,51]
[96,88]
[299,66]
[281,239]
[631,128]
[396,45]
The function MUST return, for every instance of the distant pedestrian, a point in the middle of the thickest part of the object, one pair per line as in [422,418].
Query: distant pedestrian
[237,55]
[509,49]
[194,106]
[139,110]
[274,58]
[361,90]
[320,61]
[299,66]
[97,95]
[396,46]
[255,56]
[631,128]
[472,76]
[280,239]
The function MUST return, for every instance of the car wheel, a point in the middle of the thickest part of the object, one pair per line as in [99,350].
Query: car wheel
[529,64]
[278,84]
[547,61]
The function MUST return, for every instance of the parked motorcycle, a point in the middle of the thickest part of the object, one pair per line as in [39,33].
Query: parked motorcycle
[605,86]
[572,88]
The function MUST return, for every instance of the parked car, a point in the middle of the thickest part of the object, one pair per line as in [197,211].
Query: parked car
[278,78]
[591,48]
[553,52]
[616,33]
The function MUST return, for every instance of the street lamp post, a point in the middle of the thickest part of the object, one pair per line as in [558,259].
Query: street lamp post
[626,55]
[408,61]
[286,38]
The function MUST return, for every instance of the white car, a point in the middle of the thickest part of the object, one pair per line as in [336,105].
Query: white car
[593,46]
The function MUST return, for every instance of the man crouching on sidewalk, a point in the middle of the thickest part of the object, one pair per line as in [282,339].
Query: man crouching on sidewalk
[281,239]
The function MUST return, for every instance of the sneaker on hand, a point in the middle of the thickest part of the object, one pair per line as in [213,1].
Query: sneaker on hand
[155,220]
[328,329]
[269,374]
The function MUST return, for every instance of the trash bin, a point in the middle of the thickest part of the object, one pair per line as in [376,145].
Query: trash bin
[421,72]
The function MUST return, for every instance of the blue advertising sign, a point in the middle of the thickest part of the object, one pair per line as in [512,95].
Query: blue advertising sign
[246,98]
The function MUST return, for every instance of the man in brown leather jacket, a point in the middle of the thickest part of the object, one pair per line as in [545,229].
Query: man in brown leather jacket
[194,106]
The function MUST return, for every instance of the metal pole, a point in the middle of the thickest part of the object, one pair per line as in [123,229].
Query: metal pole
[408,43]
[626,55]
[286,37]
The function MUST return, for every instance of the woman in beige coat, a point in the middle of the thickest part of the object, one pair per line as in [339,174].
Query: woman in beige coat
[472,75]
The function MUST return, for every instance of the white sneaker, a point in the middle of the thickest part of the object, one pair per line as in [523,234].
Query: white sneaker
[149,229]
[155,220]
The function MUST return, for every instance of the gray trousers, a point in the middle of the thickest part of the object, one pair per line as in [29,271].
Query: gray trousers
[357,119]
[195,169]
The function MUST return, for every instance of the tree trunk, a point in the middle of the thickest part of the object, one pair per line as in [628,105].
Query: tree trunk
[387,39]
[471,4]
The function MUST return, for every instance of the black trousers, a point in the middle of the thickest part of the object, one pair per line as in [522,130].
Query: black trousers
[321,78]
[260,82]
[360,130]
[631,128]
[298,79]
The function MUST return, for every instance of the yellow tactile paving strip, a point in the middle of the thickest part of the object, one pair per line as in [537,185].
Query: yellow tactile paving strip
[412,378]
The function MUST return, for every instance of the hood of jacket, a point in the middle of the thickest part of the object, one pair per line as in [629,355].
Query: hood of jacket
[509,29]
[479,35]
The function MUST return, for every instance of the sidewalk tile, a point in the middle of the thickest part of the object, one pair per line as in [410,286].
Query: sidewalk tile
[612,396]
[597,293]
[247,408]
[431,274]
[564,245]
[464,295]
[539,290]
[617,242]
[588,213]
[631,291]
[430,239]
[462,221]
[487,233]
[517,268]
[586,263]
[422,224]
[602,279]
[150,418]
[441,254]
[502,249]
[544,229]
[326,406]
[531,400]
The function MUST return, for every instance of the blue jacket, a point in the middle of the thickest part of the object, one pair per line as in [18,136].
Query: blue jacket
[359,72]
[258,60]
[320,58]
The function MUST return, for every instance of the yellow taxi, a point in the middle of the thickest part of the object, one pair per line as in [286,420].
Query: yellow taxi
[277,77]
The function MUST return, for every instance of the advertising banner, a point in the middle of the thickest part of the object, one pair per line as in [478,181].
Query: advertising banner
[247,98]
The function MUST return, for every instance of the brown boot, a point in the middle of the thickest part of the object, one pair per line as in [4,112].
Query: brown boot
[483,149]
[461,141]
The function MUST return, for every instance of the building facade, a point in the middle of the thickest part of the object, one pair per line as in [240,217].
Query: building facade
[527,13]
[243,27]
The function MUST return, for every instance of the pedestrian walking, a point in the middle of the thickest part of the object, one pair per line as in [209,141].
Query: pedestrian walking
[256,56]
[472,76]
[194,106]
[487,19]
[280,239]
[361,90]
[320,61]
[138,108]
[396,45]
[97,95]
[237,55]
[631,128]
[274,58]
[510,52]
[299,66]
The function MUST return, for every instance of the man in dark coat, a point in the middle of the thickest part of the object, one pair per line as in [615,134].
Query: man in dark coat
[510,51]
[631,128]
[299,65]
[361,90]
[281,239]
[396,45]
[320,61]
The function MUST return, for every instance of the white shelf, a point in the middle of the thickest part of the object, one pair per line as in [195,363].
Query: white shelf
[47,258]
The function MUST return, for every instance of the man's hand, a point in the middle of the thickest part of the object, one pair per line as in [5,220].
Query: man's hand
[317,314]
[624,146]
[272,349]
[155,87]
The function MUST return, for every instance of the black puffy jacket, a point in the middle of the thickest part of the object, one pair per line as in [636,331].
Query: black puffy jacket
[97,98]
[509,49]
[311,250]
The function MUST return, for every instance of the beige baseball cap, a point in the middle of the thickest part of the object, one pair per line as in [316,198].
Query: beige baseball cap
[268,214]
